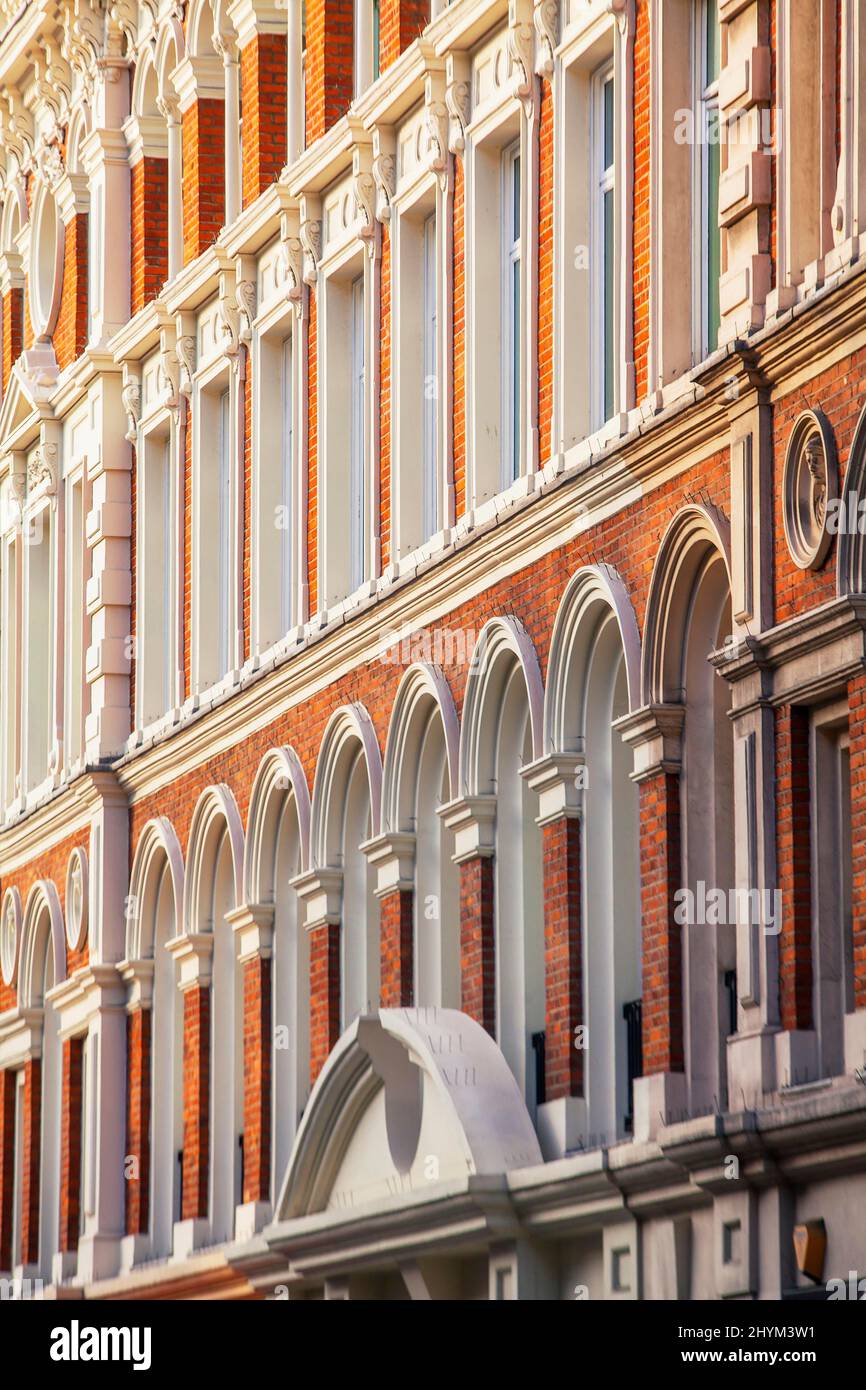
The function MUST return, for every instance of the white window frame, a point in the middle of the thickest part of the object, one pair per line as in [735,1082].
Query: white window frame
[156,440]
[832,950]
[706,108]
[10,663]
[603,182]
[39,689]
[430,372]
[511,402]
[76,620]
[357,436]
[215,616]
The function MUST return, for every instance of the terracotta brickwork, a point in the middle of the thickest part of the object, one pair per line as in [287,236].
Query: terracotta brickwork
[31,1160]
[257,1079]
[8,1085]
[71,1143]
[13,330]
[857,731]
[396,933]
[148,229]
[563,1059]
[400,21]
[478,942]
[204,181]
[263,96]
[70,335]
[138,1118]
[642,168]
[661,876]
[330,63]
[545,274]
[324,994]
[458,337]
[196,1100]
[313,456]
[794,865]
[385,423]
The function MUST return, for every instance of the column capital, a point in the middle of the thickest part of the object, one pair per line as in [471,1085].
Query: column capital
[473,821]
[322,892]
[393,857]
[654,733]
[559,781]
[253,925]
[137,975]
[193,953]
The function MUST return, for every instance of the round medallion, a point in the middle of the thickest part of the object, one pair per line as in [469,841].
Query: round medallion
[76,900]
[9,925]
[810,483]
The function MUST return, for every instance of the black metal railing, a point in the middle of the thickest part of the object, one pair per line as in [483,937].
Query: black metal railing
[179,1162]
[731,990]
[538,1049]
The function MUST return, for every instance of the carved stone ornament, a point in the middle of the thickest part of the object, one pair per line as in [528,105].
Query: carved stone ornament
[384,169]
[9,926]
[42,470]
[230,322]
[131,398]
[291,263]
[365,201]
[810,483]
[311,241]
[545,16]
[457,100]
[76,900]
[185,349]
[520,51]
[436,118]
[169,377]
[245,290]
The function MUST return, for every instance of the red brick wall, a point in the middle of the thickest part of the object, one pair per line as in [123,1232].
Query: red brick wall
[396,939]
[8,1080]
[661,876]
[13,330]
[187,553]
[70,334]
[257,1079]
[149,230]
[641,227]
[857,733]
[31,1162]
[400,21]
[563,1061]
[70,1143]
[477,942]
[204,184]
[264,75]
[794,865]
[138,1110]
[324,994]
[545,273]
[196,1100]
[329,63]
[248,498]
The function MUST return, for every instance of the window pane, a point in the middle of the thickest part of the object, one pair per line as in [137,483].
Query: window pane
[608,122]
[515,362]
[608,304]
[714,240]
[712,40]
[515,199]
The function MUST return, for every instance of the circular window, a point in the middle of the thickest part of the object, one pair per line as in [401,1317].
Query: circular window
[9,923]
[76,900]
[46,264]
[811,481]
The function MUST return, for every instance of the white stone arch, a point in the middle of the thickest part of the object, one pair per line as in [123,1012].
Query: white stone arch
[422,687]
[688,617]
[347,728]
[346,813]
[593,679]
[155,910]
[592,596]
[42,969]
[277,851]
[15,214]
[503,644]
[215,812]
[201,25]
[170,50]
[421,773]
[42,932]
[388,1079]
[213,888]
[501,736]
[145,84]
[696,535]
[77,131]
[279,776]
[851,548]
[157,843]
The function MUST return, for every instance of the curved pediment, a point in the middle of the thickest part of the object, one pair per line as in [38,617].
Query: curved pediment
[408,1098]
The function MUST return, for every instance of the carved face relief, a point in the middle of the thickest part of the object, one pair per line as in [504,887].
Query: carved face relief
[8,940]
[76,901]
[810,483]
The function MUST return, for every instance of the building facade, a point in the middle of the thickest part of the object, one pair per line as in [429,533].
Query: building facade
[433,647]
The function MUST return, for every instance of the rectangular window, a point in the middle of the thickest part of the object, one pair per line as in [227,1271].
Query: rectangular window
[153,670]
[511,316]
[708,147]
[833,941]
[285,519]
[224,531]
[603,257]
[357,501]
[40,654]
[83,1043]
[9,665]
[430,400]
[76,550]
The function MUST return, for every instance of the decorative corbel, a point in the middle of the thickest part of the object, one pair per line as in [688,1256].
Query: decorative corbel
[545,16]
[311,240]
[436,120]
[623,12]
[18,474]
[245,295]
[169,370]
[457,100]
[292,261]
[42,469]
[364,187]
[185,349]
[230,323]
[521,46]
[384,170]
[131,398]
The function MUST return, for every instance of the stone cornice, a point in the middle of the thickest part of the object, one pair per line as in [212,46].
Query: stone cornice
[327,158]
